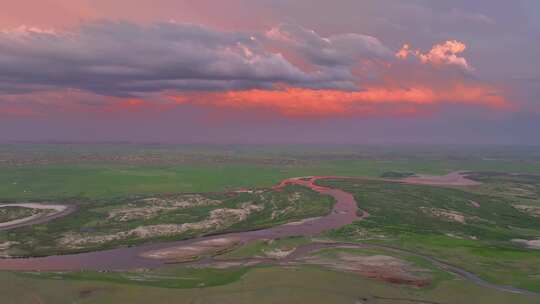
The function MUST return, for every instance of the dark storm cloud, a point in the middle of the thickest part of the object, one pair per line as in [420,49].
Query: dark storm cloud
[121,59]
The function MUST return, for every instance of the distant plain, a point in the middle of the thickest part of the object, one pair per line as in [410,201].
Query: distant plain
[472,227]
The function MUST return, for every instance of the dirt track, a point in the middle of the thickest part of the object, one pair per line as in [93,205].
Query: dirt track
[40,218]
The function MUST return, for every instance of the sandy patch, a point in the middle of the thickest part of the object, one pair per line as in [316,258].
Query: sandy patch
[530,210]
[474,204]
[279,253]
[150,207]
[449,215]
[532,244]
[232,264]
[381,267]
[451,179]
[293,200]
[218,219]
[302,222]
[194,250]
[4,247]
[470,237]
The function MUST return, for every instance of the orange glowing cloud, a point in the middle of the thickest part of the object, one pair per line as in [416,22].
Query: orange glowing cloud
[293,72]
[375,101]
[446,53]
[294,102]
[136,105]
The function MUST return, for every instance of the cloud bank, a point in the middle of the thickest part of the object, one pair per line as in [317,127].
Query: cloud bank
[287,69]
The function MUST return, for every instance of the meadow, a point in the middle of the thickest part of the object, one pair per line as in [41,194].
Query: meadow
[105,224]
[472,227]
[467,228]
[261,285]
[52,172]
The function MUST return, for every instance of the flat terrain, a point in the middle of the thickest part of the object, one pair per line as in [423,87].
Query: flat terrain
[107,224]
[26,214]
[310,284]
[47,172]
[476,231]
[486,224]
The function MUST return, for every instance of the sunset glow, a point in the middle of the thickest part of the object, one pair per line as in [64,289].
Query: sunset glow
[97,60]
[370,102]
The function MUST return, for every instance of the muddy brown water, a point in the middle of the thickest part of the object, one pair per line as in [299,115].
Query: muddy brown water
[343,213]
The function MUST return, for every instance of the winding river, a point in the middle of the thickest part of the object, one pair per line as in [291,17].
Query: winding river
[345,211]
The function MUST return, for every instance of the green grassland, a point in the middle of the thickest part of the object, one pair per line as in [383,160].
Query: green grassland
[50,172]
[259,248]
[182,277]
[101,178]
[513,188]
[98,181]
[93,219]
[400,216]
[259,285]
[168,277]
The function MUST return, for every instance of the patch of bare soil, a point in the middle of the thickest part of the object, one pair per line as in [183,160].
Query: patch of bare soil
[302,222]
[475,204]
[150,207]
[380,267]
[218,219]
[279,253]
[293,200]
[232,264]
[451,179]
[461,237]
[532,244]
[530,210]
[448,215]
[4,248]
[194,250]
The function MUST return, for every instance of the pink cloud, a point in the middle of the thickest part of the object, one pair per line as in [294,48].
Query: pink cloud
[374,101]
[446,53]
[289,70]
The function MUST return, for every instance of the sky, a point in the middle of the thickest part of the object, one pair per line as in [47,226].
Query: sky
[270,71]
